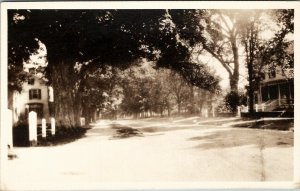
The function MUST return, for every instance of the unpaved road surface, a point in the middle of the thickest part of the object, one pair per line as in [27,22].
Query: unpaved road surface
[163,150]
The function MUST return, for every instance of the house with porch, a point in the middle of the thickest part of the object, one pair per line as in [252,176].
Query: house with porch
[276,90]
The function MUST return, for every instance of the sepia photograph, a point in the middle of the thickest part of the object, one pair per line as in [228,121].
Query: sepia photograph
[101,96]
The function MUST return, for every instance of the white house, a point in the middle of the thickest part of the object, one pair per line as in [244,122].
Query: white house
[35,96]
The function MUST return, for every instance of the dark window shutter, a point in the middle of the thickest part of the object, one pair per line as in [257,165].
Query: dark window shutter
[30,94]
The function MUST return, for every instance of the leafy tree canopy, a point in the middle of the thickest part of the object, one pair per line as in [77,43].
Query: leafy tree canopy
[115,37]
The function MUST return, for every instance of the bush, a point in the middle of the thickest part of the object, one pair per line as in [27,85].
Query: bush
[21,135]
[62,135]
[234,99]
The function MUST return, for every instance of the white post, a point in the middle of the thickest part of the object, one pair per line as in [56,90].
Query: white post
[213,111]
[44,134]
[263,107]
[256,107]
[82,121]
[206,113]
[52,126]
[247,109]
[32,117]
[239,111]
[51,96]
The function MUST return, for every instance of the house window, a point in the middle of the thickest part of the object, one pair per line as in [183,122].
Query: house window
[31,81]
[263,76]
[35,94]
[38,108]
[272,73]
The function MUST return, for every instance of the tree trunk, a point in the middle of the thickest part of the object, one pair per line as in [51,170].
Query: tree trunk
[78,110]
[234,78]
[179,108]
[233,81]
[169,109]
[10,99]
[192,101]
[63,81]
[250,71]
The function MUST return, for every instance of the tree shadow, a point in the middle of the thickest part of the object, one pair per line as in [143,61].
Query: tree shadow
[242,137]
[122,131]
[175,127]
[115,131]
[100,132]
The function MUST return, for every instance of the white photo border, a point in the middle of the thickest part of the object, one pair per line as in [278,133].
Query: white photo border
[162,5]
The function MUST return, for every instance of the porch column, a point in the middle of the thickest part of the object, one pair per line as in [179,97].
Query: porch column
[279,96]
[260,95]
[290,93]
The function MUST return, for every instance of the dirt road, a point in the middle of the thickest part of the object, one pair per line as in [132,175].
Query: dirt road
[172,150]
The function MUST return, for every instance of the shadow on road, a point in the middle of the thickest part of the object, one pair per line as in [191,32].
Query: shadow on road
[122,131]
[115,131]
[243,137]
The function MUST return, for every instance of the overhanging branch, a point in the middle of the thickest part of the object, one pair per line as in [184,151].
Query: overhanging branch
[220,59]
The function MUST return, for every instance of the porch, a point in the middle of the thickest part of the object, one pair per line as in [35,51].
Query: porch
[275,96]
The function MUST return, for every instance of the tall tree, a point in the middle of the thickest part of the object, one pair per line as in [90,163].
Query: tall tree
[250,27]
[175,52]
[94,38]
[71,36]
[216,33]
[225,34]
[262,52]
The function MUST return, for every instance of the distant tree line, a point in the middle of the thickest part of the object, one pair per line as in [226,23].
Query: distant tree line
[143,91]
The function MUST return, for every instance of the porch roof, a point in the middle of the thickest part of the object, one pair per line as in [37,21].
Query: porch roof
[276,82]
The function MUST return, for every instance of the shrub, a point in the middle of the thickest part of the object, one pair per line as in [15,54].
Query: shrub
[21,135]
[232,100]
[62,135]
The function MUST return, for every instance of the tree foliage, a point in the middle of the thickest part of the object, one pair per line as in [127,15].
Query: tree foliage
[214,32]
[263,55]
[94,38]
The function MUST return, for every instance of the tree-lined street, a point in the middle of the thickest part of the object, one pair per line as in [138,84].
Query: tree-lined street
[169,150]
[83,49]
[105,96]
